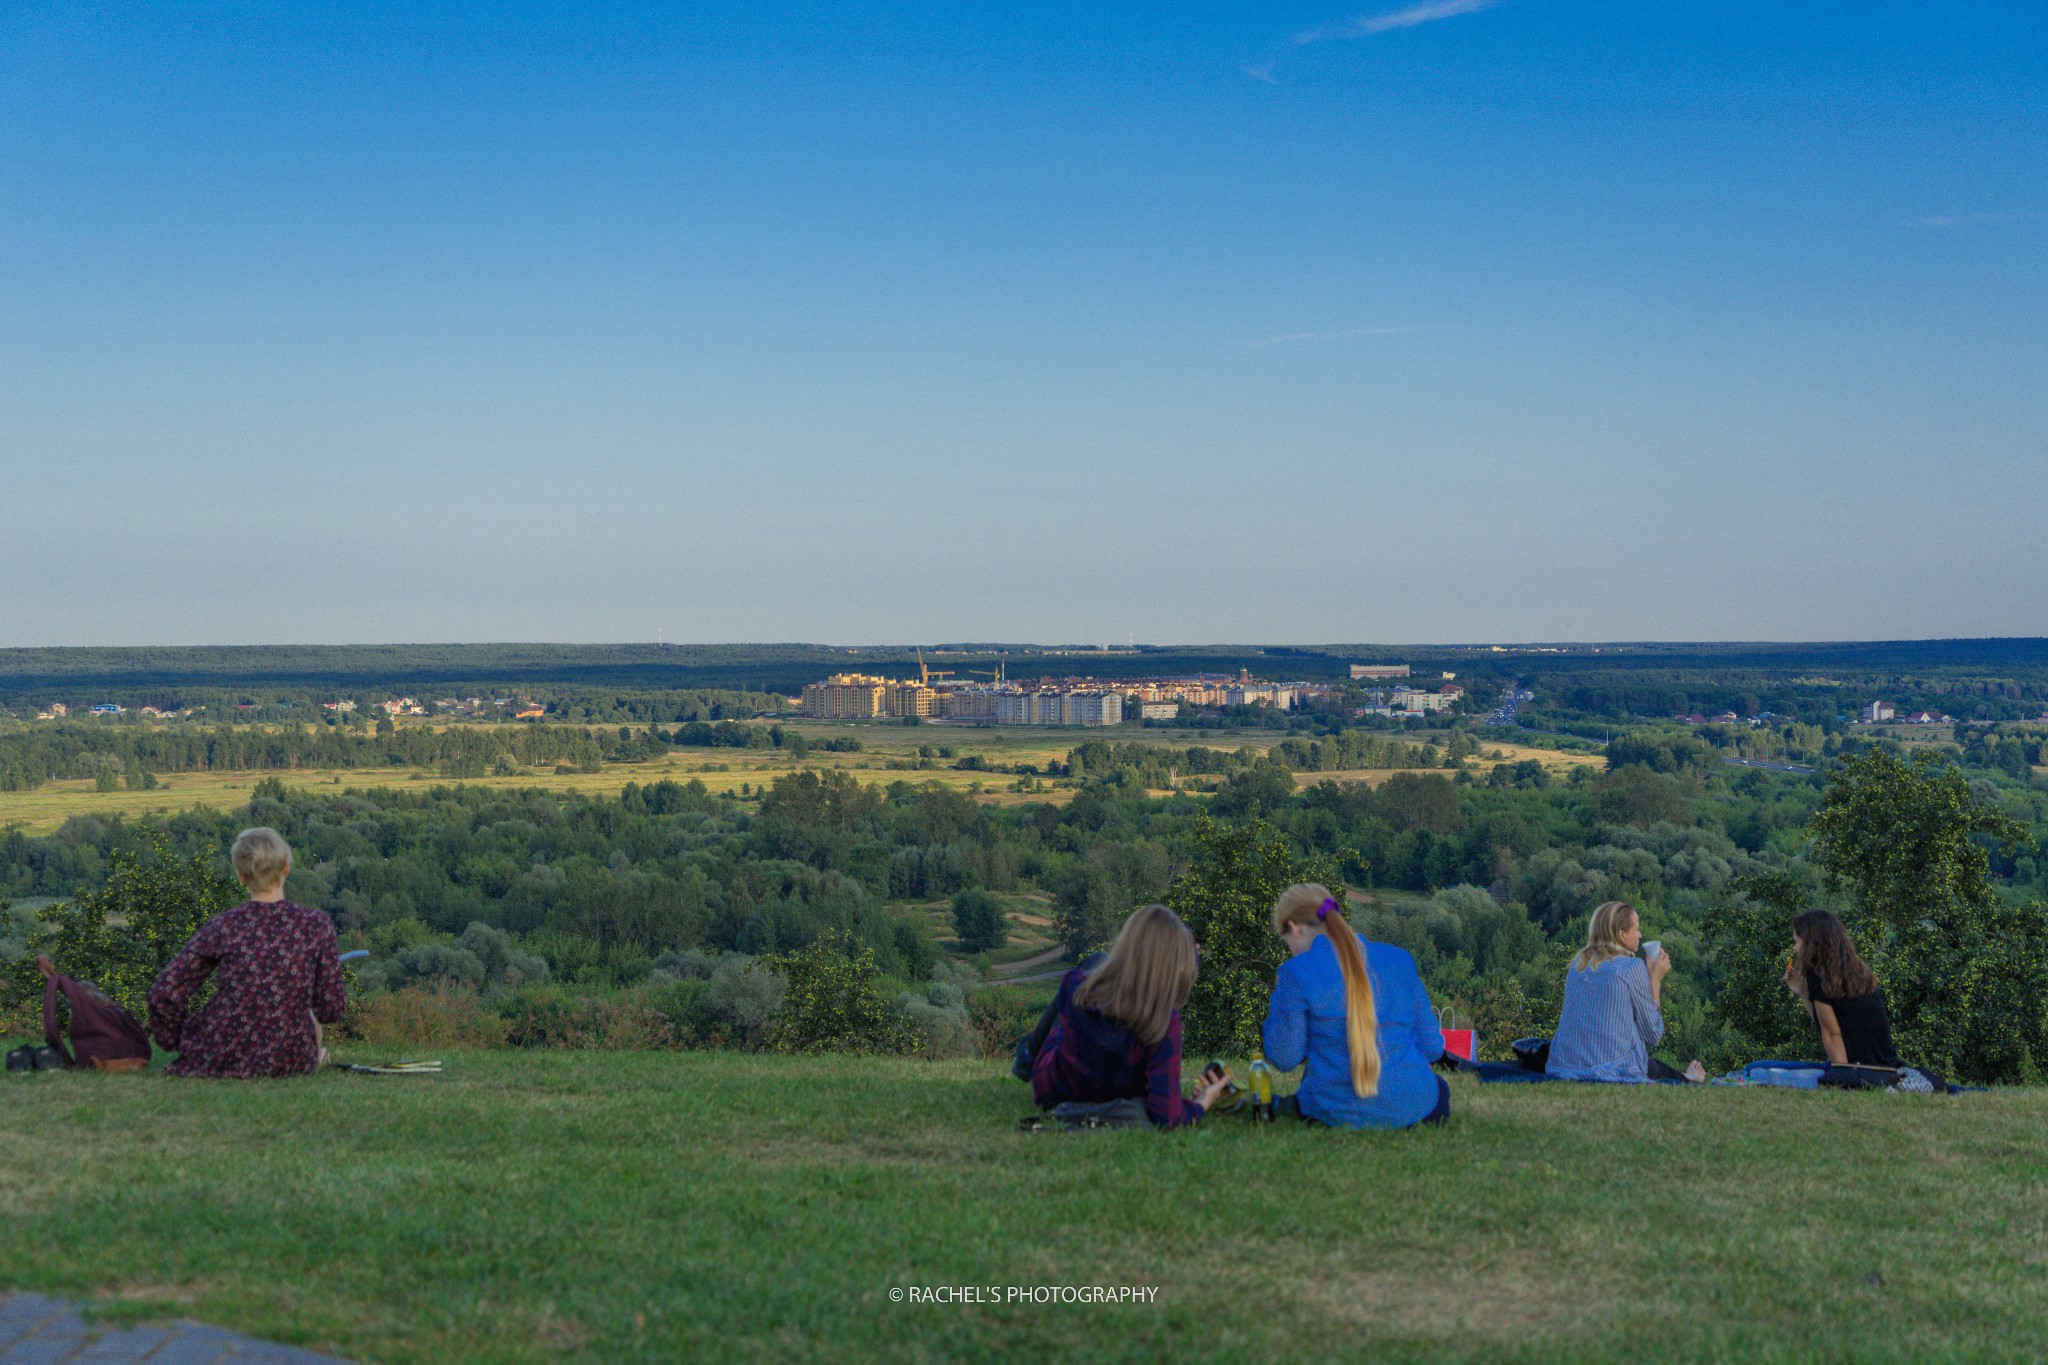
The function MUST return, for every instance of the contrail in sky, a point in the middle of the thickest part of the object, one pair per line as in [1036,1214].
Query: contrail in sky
[1367,25]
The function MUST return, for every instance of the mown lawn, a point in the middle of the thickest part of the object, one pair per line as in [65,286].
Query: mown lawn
[673,1206]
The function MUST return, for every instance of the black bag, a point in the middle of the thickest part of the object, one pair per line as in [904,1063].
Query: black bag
[29,1057]
[1532,1053]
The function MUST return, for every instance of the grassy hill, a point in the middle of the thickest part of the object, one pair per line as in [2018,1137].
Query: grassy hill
[668,1206]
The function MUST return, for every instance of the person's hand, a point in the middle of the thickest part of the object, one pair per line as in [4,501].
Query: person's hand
[1660,967]
[1794,982]
[1206,1094]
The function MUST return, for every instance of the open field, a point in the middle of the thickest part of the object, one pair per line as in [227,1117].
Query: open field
[723,770]
[672,1206]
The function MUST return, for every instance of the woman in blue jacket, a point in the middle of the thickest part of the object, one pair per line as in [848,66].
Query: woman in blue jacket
[1357,1014]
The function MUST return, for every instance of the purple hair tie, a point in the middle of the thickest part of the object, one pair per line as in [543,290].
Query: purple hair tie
[1328,906]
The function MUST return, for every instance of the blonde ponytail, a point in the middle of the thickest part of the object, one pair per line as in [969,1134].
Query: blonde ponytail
[1312,904]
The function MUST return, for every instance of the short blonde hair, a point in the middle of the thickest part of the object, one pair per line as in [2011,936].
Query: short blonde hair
[262,859]
[1603,935]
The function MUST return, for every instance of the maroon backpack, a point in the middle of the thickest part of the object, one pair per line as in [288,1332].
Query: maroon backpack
[104,1036]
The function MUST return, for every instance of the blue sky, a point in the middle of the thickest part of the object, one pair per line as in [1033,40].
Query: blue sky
[1194,322]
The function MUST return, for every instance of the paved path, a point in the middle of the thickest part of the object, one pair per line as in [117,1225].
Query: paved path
[39,1331]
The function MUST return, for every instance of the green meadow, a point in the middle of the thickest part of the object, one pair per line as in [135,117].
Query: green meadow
[586,1206]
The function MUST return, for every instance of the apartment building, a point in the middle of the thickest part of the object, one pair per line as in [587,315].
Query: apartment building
[968,705]
[1091,708]
[1254,694]
[848,696]
[910,699]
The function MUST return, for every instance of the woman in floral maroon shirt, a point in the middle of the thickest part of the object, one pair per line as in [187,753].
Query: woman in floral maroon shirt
[280,979]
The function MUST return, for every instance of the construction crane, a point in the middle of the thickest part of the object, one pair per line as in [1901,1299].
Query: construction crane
[925,675]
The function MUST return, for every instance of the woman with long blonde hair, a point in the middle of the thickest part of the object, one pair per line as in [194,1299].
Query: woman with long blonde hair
[1357,1016]
[1114,1030]
[1613,1007]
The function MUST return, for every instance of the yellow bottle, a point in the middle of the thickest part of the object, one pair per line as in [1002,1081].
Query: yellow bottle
[1262,1089]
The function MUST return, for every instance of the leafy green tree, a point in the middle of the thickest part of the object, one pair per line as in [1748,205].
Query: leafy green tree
[120,936]
[1965,972]
[1751,930]
[834,1001]
[1225,897]
[978,921]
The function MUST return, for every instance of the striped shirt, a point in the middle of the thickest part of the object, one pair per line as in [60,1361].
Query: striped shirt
[1609,1024]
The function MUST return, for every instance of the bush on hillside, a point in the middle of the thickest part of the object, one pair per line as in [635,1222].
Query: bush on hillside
[834,1002]
[424,1017]
[741,998]
[553,1016]
[939,1013]
[120,936]
[1003,1014]
[1235,873]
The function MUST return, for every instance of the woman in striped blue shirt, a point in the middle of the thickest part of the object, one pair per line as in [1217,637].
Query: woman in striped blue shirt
[1613,1007]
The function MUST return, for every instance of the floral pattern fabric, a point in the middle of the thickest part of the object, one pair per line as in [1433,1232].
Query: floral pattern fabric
[279,970]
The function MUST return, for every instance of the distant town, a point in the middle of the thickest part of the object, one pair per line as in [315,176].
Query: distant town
[1088,701]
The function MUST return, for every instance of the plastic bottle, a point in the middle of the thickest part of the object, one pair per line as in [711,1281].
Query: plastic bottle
[1262,1089]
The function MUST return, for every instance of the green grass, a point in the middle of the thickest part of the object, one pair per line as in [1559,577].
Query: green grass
[672,1206]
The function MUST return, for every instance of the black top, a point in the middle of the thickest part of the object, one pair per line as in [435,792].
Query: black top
[1866,1029]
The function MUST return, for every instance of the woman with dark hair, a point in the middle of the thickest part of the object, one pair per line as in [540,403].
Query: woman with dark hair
[1841,993]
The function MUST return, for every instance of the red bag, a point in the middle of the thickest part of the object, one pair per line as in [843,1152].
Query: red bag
[103,1035]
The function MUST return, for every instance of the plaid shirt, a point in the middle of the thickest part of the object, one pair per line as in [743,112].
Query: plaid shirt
[1089,1059]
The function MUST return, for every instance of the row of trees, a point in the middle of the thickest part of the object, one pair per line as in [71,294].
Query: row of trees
[1488,885]
[136,755]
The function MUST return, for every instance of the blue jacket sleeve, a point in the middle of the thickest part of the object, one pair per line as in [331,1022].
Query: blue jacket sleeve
[1286,1030]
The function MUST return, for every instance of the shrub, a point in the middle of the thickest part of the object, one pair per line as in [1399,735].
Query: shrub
[1003,1014]
[939,1014]
[503,964]
[122,935]
[835,1003]
[549,1016]
[1226,896]
[434,1016]
[742,996]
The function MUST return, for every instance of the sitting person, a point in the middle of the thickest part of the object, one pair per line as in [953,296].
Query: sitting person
[1115,1031]
[1357,1014]
[280,978]
[1840,992]
[1613,1007]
